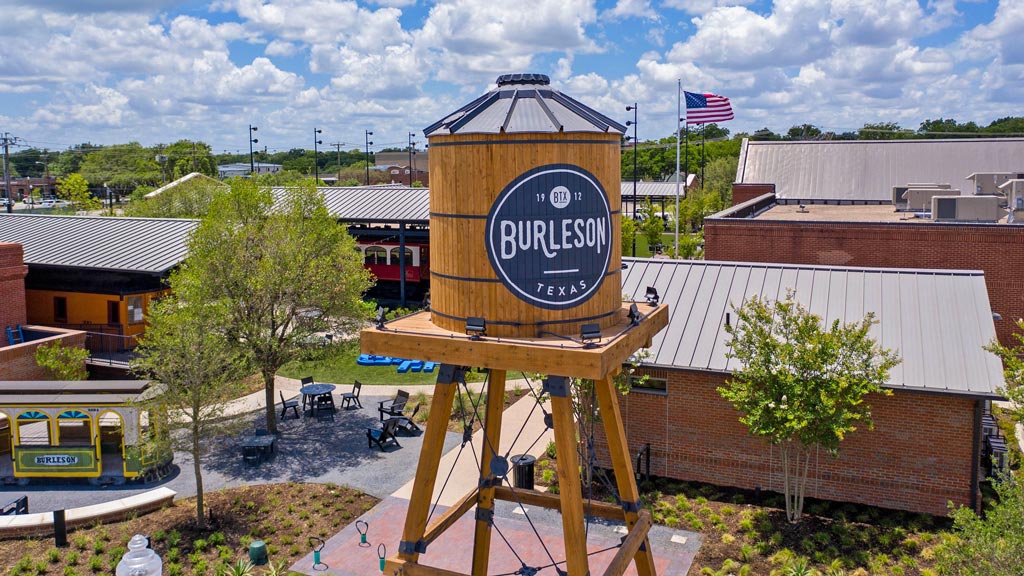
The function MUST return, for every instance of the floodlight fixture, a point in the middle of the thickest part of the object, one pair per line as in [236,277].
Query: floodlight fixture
[589,333]
[652,296]
[380,318]
[634,315]
[476,327]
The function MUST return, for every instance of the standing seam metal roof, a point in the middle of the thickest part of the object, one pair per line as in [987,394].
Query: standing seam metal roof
[937,320]
[378,204]
[150,245]
[868,169]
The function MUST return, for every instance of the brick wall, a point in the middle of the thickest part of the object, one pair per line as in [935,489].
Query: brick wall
[18,362]
[998,250]
[743,192]
[917,458]
[12,287]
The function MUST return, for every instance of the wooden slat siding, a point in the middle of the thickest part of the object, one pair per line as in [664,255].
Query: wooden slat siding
[567,466]
[631,546]
[450,516]
[492,439]
[416,336]
[426,470]
[618,447]
[466,180]
[552,501]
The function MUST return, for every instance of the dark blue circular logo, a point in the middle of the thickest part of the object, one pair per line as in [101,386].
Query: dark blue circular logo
[549,236]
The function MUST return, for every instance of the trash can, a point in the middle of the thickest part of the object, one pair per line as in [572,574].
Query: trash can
[522,469]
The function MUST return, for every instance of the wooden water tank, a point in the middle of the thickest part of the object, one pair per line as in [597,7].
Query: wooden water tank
[525,207]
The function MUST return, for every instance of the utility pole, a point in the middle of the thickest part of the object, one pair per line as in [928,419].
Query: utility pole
[338,146]
[367,134]
[194,167]
[7,140]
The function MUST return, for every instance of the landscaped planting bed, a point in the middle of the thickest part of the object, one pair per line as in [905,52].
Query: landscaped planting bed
[284,516]
[746,537]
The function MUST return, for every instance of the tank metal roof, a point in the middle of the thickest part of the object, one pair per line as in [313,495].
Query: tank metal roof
[524,103]
[938,321]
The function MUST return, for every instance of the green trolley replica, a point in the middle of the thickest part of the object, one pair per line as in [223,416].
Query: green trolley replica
[81,429]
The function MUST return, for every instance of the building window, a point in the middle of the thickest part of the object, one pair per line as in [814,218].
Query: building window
[651,384]
[395,261]
[60,310]
[376,255]
[135,309]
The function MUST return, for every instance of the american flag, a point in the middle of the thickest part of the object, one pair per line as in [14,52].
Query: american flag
[703,108]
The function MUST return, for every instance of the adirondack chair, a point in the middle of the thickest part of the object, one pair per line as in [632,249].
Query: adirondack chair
[384,435]
[393,407]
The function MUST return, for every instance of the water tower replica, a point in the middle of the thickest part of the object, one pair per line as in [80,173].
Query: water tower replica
[526,260]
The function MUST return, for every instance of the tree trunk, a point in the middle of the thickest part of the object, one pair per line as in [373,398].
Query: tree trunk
[268,386]
[200,513]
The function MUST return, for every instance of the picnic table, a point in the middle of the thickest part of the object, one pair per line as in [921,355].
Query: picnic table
[311,394]
[257,444]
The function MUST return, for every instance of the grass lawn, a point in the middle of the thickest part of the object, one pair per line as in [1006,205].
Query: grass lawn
[338,366]
[282,515]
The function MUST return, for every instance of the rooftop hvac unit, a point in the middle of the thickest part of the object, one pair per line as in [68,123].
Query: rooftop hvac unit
[966,209]
[928,185]
[920,199]
[988,183]
[899,197]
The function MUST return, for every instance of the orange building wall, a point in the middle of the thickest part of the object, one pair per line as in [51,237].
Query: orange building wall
[85,308]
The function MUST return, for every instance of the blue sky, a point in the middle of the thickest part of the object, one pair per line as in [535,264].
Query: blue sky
[156,71]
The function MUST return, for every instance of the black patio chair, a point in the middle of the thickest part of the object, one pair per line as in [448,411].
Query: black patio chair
[393,407]
[407,423]
[384,435]
[286,404]
[252,455]
[347,398]
[324,402]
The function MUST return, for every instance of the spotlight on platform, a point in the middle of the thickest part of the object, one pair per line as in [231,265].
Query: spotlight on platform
[589,333]
[476,328]
[652,296]
[634,315]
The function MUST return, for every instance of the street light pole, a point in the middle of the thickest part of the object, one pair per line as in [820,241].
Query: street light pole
[252,165]
[316,154]
[368,143]
[412,147]
[635,141]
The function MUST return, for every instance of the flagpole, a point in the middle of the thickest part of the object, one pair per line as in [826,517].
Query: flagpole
[703,143]
[679,112]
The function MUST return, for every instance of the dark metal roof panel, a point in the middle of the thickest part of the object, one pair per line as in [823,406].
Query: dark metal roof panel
[938,321]
[150,245]
[374,203]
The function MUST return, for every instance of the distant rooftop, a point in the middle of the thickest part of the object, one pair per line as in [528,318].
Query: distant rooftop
[866,170]
[847,213]
[148,245]
[938,321]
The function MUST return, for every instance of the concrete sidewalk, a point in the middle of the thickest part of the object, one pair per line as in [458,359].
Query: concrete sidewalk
[524,415]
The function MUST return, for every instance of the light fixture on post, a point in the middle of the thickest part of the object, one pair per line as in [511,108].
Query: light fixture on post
[652,296]
[634,315]
[368,144]
[316,154]
[476,327]
[252,165]
[589,334]
[380,318]
[635,142]
[412,152]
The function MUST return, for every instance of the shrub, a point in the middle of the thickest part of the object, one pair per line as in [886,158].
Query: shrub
[96,563]
[696,525]
[728,538]
[72,558]
[62,362]
[217,538]
[69,571]
[550,450]
[727,510]
[746,525]
[199,545]
[53,555]
[747,552]
[80,542]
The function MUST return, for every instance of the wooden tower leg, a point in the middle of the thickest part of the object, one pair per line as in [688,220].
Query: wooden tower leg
[485,499]
[568,468]
[412,543]
[623,466]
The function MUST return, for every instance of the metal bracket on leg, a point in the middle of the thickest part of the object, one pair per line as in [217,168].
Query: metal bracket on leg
[451,374]
[556,386]
[485,515]
[406,547]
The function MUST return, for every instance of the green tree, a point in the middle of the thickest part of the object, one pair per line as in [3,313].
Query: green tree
[62,362]
[719,175]
[803,132]
[286,273]
[652,226]
[1013,372]
[75,189]
[187,350]
[989,545]
[628,234]
[123,167]
[947,128]
[189,199]
[188,156]
[884,131]
[802,386]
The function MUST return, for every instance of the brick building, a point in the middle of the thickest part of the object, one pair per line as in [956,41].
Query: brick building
[831,203]
[925,448]
[17,358]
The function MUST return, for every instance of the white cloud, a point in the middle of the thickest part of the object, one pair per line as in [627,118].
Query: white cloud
[281,48]
[624,9]
[703,6]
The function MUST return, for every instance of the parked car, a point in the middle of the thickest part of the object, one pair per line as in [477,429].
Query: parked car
[54,204]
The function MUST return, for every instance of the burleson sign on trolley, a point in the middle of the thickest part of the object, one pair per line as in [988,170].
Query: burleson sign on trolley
[549,234]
